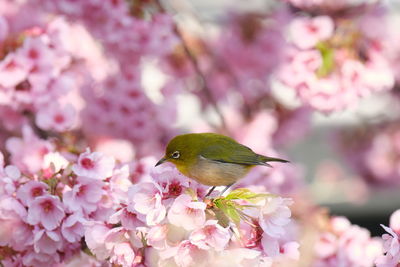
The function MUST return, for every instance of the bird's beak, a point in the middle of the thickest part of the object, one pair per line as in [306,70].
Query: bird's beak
[161,161]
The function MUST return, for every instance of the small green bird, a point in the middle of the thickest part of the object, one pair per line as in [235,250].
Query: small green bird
[212,159]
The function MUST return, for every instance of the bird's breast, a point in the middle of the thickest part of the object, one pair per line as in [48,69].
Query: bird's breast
[214,173]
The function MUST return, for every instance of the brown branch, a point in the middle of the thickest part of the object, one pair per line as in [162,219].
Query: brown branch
[202,78]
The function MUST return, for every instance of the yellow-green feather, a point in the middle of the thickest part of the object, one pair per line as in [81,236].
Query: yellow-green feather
[214,147]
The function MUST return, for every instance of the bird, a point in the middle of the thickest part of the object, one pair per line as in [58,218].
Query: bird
[212,159]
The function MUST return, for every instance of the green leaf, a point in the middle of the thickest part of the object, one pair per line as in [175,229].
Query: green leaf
[52,183]
[222,218]
[233,214]
[245,194]
[229,208]
[328,59]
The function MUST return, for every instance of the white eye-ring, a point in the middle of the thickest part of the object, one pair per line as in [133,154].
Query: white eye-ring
[176,155]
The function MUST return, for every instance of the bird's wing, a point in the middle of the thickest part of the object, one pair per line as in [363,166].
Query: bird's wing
[230,152]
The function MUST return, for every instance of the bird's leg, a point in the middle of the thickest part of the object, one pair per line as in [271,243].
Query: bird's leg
[210,191]
[226,188]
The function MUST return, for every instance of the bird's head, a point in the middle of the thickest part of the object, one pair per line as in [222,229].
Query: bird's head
[181,151]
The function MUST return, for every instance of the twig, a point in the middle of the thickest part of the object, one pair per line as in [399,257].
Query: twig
[202,79]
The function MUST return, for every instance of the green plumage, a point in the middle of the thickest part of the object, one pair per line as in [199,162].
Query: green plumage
[212,159]
[219,148]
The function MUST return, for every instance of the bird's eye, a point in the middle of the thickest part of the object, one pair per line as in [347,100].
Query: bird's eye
[176,155]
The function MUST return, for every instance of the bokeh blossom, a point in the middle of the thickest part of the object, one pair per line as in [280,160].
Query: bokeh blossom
[91,92]
[391,242]
[344,244]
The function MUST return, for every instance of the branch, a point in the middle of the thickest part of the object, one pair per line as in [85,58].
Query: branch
[202,78]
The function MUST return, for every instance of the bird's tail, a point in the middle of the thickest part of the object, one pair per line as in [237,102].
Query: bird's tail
[265,160]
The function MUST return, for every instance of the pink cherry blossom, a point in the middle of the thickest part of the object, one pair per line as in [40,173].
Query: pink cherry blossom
[210,235]
[54,161]
[146,200]
[94,165]
[372,154]
[115,75]
[95,234]
[84,196]
[157,235]
[274,215]
[120,182]
[346,244]
[273,248]
[172,182]
[47,242]
[187,213]
[46,210]
[32,258]
[189,254]
[247,51]
[13,70]
[9,180]
[12,216]
[391,247]
[56,118]
[72,228]
[118,244]
[128,220]
[28,152]
[123,254]
[13,261]
[29,191]
[307,32]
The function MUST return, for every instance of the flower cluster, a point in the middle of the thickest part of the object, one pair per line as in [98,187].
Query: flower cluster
[116,101]
[344,244]
[44,215]
[113,75]
[35,78]
[163,217]
[247,50]
[335,60]
[167,220]
[374,154]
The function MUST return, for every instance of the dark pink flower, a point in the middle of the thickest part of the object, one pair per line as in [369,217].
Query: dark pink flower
[30,191]
[47,211]
[55,117]
[84,196]
[14,232]
[94,165]
[14,69]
